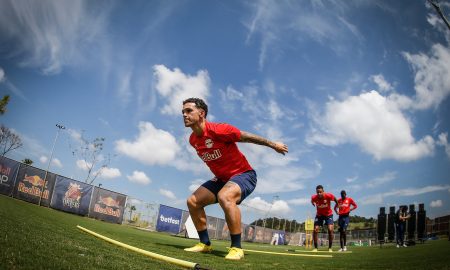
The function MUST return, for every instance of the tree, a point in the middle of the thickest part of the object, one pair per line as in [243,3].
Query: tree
[90,152]
[8,140]
[3,104]
[27,161]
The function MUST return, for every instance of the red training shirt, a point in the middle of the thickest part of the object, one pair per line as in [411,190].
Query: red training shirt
[217,148]
[344,205]
[323,204]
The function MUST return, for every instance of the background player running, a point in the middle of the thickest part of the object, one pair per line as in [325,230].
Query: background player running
[322,201]
[343,208]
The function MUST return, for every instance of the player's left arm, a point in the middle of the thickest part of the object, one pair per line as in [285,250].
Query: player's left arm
[252,138]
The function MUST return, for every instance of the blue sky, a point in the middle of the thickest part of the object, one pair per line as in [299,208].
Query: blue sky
[359,90]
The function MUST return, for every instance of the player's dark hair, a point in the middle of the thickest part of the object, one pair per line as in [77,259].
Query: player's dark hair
[199,103]
[319,187]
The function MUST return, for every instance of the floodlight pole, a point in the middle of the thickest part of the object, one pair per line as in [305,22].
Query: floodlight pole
[50,160]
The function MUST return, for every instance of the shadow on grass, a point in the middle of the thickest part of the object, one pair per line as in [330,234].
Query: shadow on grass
[216,253]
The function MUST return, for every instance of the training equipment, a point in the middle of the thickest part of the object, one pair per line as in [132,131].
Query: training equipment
[182,263]
[391,226]
[235,254]
[421,223]
[199,247]
[330,250]
[381,225]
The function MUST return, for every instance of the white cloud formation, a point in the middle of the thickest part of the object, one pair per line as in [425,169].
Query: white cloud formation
[273,21]
[444,142]
[51,34]
[432,76]
[56,162]
[2,75]
[277,208]
[373,122]
[383,85]
[300,201]
[109,173]
[378,181]
[139,177]
[175,86]
[167,193]
[378,198]
[151,146]
[83,165]
[437,203]
[196,184]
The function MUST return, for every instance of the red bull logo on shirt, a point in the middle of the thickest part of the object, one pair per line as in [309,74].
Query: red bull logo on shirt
[211,156]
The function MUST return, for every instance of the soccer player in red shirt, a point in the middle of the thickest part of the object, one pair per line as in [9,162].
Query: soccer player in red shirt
[322,201]
[234,179]
[345,205]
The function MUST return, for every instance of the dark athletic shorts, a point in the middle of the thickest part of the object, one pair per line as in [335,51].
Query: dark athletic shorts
[246,181]
[343,221]
[321,219]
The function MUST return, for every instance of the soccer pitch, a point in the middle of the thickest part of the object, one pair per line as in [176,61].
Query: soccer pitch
[34,237]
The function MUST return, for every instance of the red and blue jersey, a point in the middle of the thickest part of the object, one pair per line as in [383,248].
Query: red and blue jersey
[323,204]
[217,148]
[344,205]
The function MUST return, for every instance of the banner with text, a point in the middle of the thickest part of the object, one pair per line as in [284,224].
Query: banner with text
[31,187]
[107,205]
[8,172]
[169,219]
[71,196]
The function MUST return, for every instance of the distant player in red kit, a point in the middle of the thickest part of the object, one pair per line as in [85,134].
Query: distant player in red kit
[343,208]
[322,201]
[234,179]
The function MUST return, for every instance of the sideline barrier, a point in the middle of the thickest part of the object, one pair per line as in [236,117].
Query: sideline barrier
[182,263]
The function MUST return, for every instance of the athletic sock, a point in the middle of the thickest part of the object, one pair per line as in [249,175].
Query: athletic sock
[204,237]
[235,240]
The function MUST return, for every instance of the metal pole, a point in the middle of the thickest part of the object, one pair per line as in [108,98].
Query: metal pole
[50,160]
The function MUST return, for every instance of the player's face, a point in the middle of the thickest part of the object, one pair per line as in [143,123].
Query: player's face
[343,195]
[191,114]
[319,192]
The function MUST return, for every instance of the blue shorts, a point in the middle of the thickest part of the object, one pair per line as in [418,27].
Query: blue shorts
[343,221]
[321,219]
[246,181]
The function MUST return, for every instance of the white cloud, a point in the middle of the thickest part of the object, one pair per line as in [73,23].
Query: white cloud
[56,162]
[444,142]
[2,75]
[139,177]
[378,198]
[300,201]
[437,203]
[43,159]
[83,165]
[387,177]
[432,76]
[109,173]
[175,86]
[351,179]
[151,146]
[363,120]
[383,85]
[277,208]
[51,34]
[196,184]
[167,193]
[274,21]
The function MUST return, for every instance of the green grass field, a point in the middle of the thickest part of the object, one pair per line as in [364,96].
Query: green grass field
[34,237]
